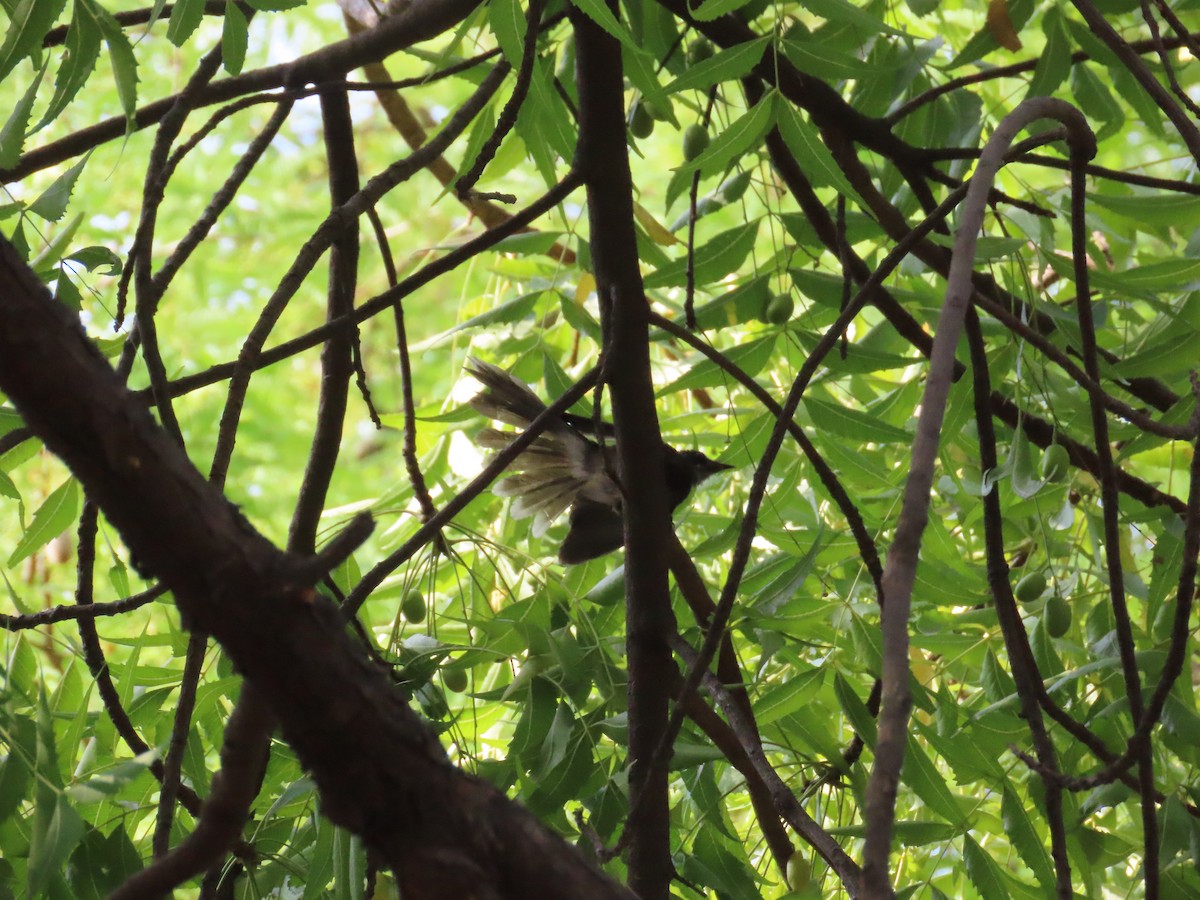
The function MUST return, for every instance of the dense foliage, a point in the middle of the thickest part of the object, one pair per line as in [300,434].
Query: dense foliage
[169,174]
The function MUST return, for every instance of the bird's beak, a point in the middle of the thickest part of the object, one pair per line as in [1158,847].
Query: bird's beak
[711,467]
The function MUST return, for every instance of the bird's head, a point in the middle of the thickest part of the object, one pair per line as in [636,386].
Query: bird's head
[700,466]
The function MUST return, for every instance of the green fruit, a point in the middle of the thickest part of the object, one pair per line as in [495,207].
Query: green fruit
[1057,616]
[454,680]
[413,607]
[1031,587]
[641,125]
[778,310]
[799,871]
[699,50]
[695,141]
[1056,462]
[733,188]
[655,111]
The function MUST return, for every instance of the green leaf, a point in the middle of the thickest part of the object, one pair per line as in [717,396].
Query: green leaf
[82,51]
[983,871]
[1054,63]
[235,34]
[847,14]
[811,153]
[57,828]
[107,784]
[1022,834]
[982,42]
[750,356]
[929,783]
[789,697]
[28,23]
[186,16]
[548,113]
[743,133]
[714,260]
[95,257]
[727,65]
[508,25]
[853,423]
[710,10]
[12,137]
[101,864]
[1159,209]
[52,204]
[598,12]
[855,710]
[1094,98]
[16,766]
[828,62]
[124,64]
[54,516]
[1168,354]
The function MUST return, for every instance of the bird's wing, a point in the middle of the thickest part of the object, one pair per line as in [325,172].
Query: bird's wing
[553,472]
[504,397]
[595,529]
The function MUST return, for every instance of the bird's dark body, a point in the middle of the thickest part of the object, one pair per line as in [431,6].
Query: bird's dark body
[565,467]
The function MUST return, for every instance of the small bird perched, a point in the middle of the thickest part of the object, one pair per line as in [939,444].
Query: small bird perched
[566,467]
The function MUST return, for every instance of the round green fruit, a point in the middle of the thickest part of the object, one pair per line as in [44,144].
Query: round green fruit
[413,607]
[733,188]
[655,111]
[1056,462]
[779,309]
[799,871]
[641,123]
[699,50]
[695,141]
[454,680]
[1057,616]
[1031,587]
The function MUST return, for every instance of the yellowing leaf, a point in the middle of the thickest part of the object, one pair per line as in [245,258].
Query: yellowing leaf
[585,286]
[653,227]
[1001,26]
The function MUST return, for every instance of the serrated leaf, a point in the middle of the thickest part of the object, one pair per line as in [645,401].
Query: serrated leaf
[853,423]
[57,512]
[789,697]
[653,228]
[508,25]
[750,357]
[108,783]
[52,204]
[855,710]
[983,871]
[714,9]
[598,12]
[743,133]
[57,828]
[79,61]
[814,157]
[1158,209]
[1054,63]
[12,137]
[1024,838]
[725,65]
[186,16]
[235,35]
[846,13]
[829,63]
[92,258]
[124,63]
[717,258]
[27,25]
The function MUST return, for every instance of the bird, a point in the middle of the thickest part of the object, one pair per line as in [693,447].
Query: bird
[566,467]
